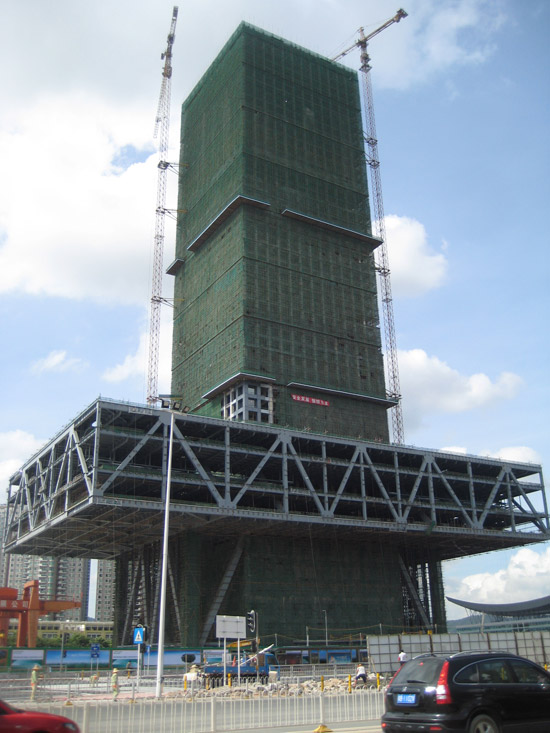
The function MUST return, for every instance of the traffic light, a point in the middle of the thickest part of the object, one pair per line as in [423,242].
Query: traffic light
[251,621]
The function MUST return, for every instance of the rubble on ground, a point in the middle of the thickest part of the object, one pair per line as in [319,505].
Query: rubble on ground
[197,689]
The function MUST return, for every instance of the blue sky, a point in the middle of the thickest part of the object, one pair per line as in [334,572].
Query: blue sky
[462,96]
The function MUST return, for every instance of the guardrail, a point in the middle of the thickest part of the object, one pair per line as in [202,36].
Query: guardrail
[217,714]
[61,688]
[300,672]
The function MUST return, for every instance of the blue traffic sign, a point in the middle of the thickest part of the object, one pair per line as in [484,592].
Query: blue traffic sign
[139,633]
[94,648]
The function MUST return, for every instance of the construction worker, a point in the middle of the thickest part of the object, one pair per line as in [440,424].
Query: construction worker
[114,684]
[360,674]
[34,680]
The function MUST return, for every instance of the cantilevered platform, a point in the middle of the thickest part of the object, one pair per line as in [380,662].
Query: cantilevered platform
[97,489]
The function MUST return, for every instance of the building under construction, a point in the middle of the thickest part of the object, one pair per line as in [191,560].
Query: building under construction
[286,494]
[276,305]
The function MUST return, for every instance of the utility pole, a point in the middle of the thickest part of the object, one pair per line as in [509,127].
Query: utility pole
[162,129]
[382,263]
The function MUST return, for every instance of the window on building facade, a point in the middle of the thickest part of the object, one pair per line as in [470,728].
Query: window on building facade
[248,401]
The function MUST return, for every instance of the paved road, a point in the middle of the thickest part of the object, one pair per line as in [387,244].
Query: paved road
[360,727]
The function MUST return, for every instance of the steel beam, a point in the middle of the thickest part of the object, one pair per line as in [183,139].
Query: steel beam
[106,471]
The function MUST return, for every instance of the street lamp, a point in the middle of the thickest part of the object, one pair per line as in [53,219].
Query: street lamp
[172,405]
[63,628]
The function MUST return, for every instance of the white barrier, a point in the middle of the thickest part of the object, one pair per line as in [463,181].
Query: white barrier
[384,650]
[214,714]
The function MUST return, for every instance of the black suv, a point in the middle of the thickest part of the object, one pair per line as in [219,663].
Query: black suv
[476,692]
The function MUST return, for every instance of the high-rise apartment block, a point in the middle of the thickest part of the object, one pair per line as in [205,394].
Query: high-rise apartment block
[105,590]
[63,578]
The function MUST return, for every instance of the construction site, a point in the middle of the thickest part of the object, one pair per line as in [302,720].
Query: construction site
[282,454]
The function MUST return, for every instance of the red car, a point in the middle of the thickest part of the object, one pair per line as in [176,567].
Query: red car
[31,721]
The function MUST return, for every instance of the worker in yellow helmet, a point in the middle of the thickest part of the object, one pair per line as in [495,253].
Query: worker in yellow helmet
[34,680]
[115,689]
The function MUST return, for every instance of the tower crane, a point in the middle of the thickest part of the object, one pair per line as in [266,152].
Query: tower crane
[383,269]
[162,129]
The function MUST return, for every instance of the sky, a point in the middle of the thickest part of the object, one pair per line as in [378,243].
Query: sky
[461,93]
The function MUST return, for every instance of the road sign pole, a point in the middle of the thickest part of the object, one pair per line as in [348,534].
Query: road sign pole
[94,654]
[224,660]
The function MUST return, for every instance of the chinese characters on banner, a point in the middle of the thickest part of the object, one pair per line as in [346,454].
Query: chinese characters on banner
[310,400]
[14,604]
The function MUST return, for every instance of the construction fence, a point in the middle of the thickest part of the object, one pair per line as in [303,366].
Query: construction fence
[383,651]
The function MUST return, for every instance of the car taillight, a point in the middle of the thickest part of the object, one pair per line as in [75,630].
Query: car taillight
[442,691]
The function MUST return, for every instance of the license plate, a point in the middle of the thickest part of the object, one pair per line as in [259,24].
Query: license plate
[406,699]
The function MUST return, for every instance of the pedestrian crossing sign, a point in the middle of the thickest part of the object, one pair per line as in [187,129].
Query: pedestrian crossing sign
[138,635]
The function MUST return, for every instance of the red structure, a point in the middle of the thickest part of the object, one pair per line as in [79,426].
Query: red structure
[28,610]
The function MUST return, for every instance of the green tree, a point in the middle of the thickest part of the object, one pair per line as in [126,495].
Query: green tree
[78,641]
[43,642]
[103,642]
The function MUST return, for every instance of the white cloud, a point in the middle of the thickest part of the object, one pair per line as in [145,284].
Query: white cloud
[136,363]
[514,453]
[526,577]
[435,38]
[453,449]
[520,453]
[57,361]
[16,447]
[415,267]
[429,385]
[132,365]
[73,223]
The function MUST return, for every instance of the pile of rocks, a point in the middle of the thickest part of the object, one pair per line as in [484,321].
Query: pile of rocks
[333,686]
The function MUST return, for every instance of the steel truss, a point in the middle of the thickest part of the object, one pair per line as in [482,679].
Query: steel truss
[97,489]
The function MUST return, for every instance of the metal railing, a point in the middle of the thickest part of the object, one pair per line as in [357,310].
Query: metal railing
[212,713]
[301,672]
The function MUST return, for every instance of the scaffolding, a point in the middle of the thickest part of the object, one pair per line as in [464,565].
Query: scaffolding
[274,271]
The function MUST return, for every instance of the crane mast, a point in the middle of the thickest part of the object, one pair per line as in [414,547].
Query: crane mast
[162,129]
[382,264]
